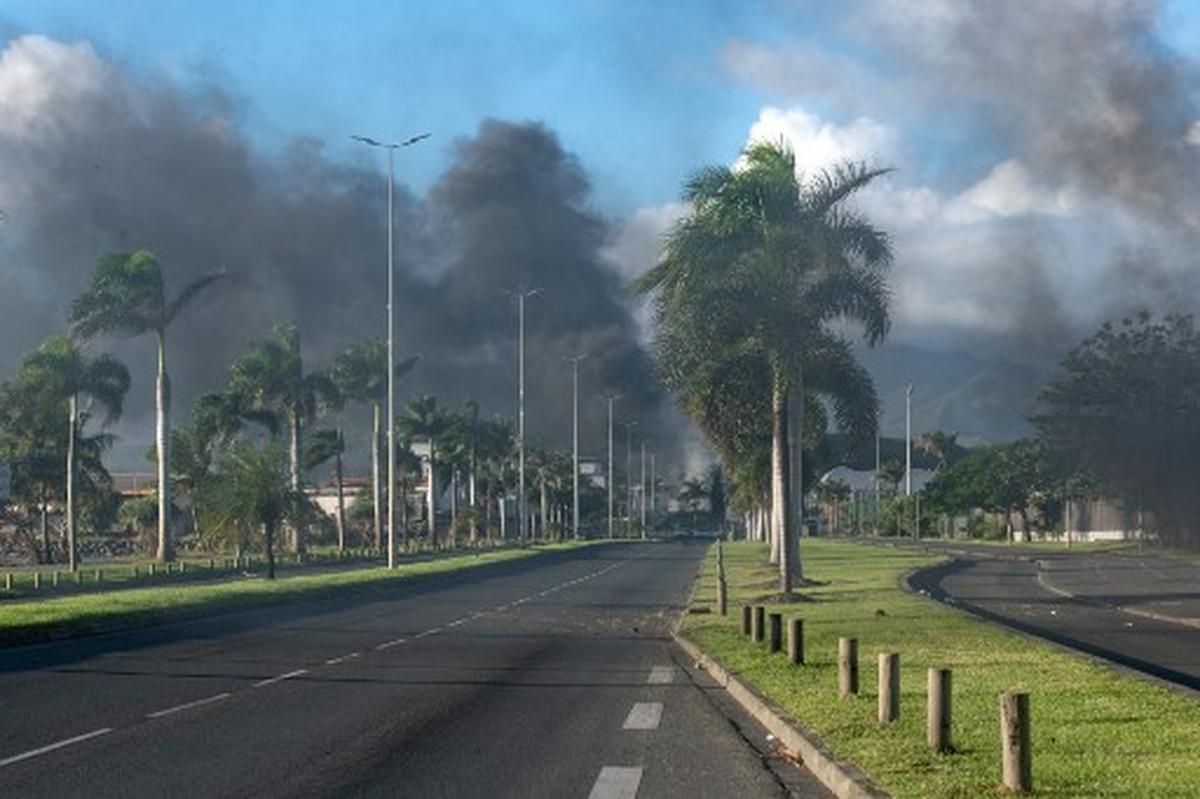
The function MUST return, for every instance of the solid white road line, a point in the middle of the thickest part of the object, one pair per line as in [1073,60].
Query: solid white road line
[344,658]
[617,782]
[433,631]
[280,678]
[160,713]
[661,675]
[8,761]
[644,716]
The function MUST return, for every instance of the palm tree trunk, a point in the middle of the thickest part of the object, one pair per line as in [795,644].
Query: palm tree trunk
[432,494]
[44,510]
[162,444]
[453,534]
[269,529]
[296,528]
[545,507]
[503,520]
[72,428]
[781,482]
[795,407]
[376,479]
[402,490]
[341,494]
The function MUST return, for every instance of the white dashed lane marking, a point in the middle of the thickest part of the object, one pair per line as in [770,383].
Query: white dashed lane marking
[617,782]
[187,706]
[280,678]
[8,761]
[644,716]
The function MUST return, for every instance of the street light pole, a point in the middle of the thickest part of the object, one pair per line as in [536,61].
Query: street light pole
[908,440]
[610,398]
[628,476]
[642,499]
[575,441]
[653,488]
[521,507]
[391,148]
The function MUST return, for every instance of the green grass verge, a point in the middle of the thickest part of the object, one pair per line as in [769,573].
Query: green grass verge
[1095,732]
[61,617]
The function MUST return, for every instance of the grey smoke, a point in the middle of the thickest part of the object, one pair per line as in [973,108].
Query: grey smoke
[110,163]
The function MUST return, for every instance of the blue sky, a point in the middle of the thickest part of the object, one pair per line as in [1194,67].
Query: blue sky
[636,89]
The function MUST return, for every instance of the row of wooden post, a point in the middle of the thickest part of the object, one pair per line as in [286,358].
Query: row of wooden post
[756,623]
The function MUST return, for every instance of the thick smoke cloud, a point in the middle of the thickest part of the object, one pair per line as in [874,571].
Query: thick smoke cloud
[94,161]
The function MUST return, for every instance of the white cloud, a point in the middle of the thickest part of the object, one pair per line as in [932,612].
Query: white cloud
[1193,135]
[819,143]
[40,79]
[1009,190]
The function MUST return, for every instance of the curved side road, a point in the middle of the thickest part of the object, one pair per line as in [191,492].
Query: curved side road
[1011,592]
[551,678]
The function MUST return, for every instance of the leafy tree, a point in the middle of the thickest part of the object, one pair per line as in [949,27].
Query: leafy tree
[252,492]
[1124,411]
[422,418]
[270,382]
[323,446]
[360,374]
[66,375]
[745,291]
[128,297]
[891,472]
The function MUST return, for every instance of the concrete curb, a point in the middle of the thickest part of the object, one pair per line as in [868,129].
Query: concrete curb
[845,780]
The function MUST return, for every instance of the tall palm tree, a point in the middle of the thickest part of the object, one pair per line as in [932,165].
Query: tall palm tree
[745,291]
[68,375]
[324,445]
[128,297]
[360,374]
[421,417]
[270,379]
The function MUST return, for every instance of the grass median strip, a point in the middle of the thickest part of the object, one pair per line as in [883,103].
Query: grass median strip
[60,617]
[1096,732]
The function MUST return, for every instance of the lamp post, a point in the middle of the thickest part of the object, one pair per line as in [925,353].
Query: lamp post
[610,398]
[521,294]
[642,498]
[391,148]
[908,440]
[629,475]
[575,441]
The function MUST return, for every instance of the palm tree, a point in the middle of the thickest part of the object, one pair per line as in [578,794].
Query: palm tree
[67,375]
[128,297]
[691,494]
[423,418]
[252,491]
[745,291]
[270,379]
[360,373]
[324,445]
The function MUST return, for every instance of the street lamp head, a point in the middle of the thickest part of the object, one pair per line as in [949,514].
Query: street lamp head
[367,140]
[415,139]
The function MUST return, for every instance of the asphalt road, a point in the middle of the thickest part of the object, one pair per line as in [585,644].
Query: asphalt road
[553,677]
[1027,590]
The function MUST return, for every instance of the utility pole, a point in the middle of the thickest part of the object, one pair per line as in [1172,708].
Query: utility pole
[391,336]
[908,440]
[575,442]
[653,488]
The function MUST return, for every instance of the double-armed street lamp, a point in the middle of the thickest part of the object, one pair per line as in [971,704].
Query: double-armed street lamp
[609,483]
[391,148]
[521,294]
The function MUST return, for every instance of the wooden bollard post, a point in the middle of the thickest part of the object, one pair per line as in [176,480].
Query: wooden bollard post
[775,641]
[938,718]
[182,566]
[889,687]
[212,564]
[722,601]
[54,579]
[1014,742]
[847,667]
[758,623]
[37,580]
[78,578]
[99,575]
[7,581]
[796,641]
[133,573]
[745,626]
[150,569]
